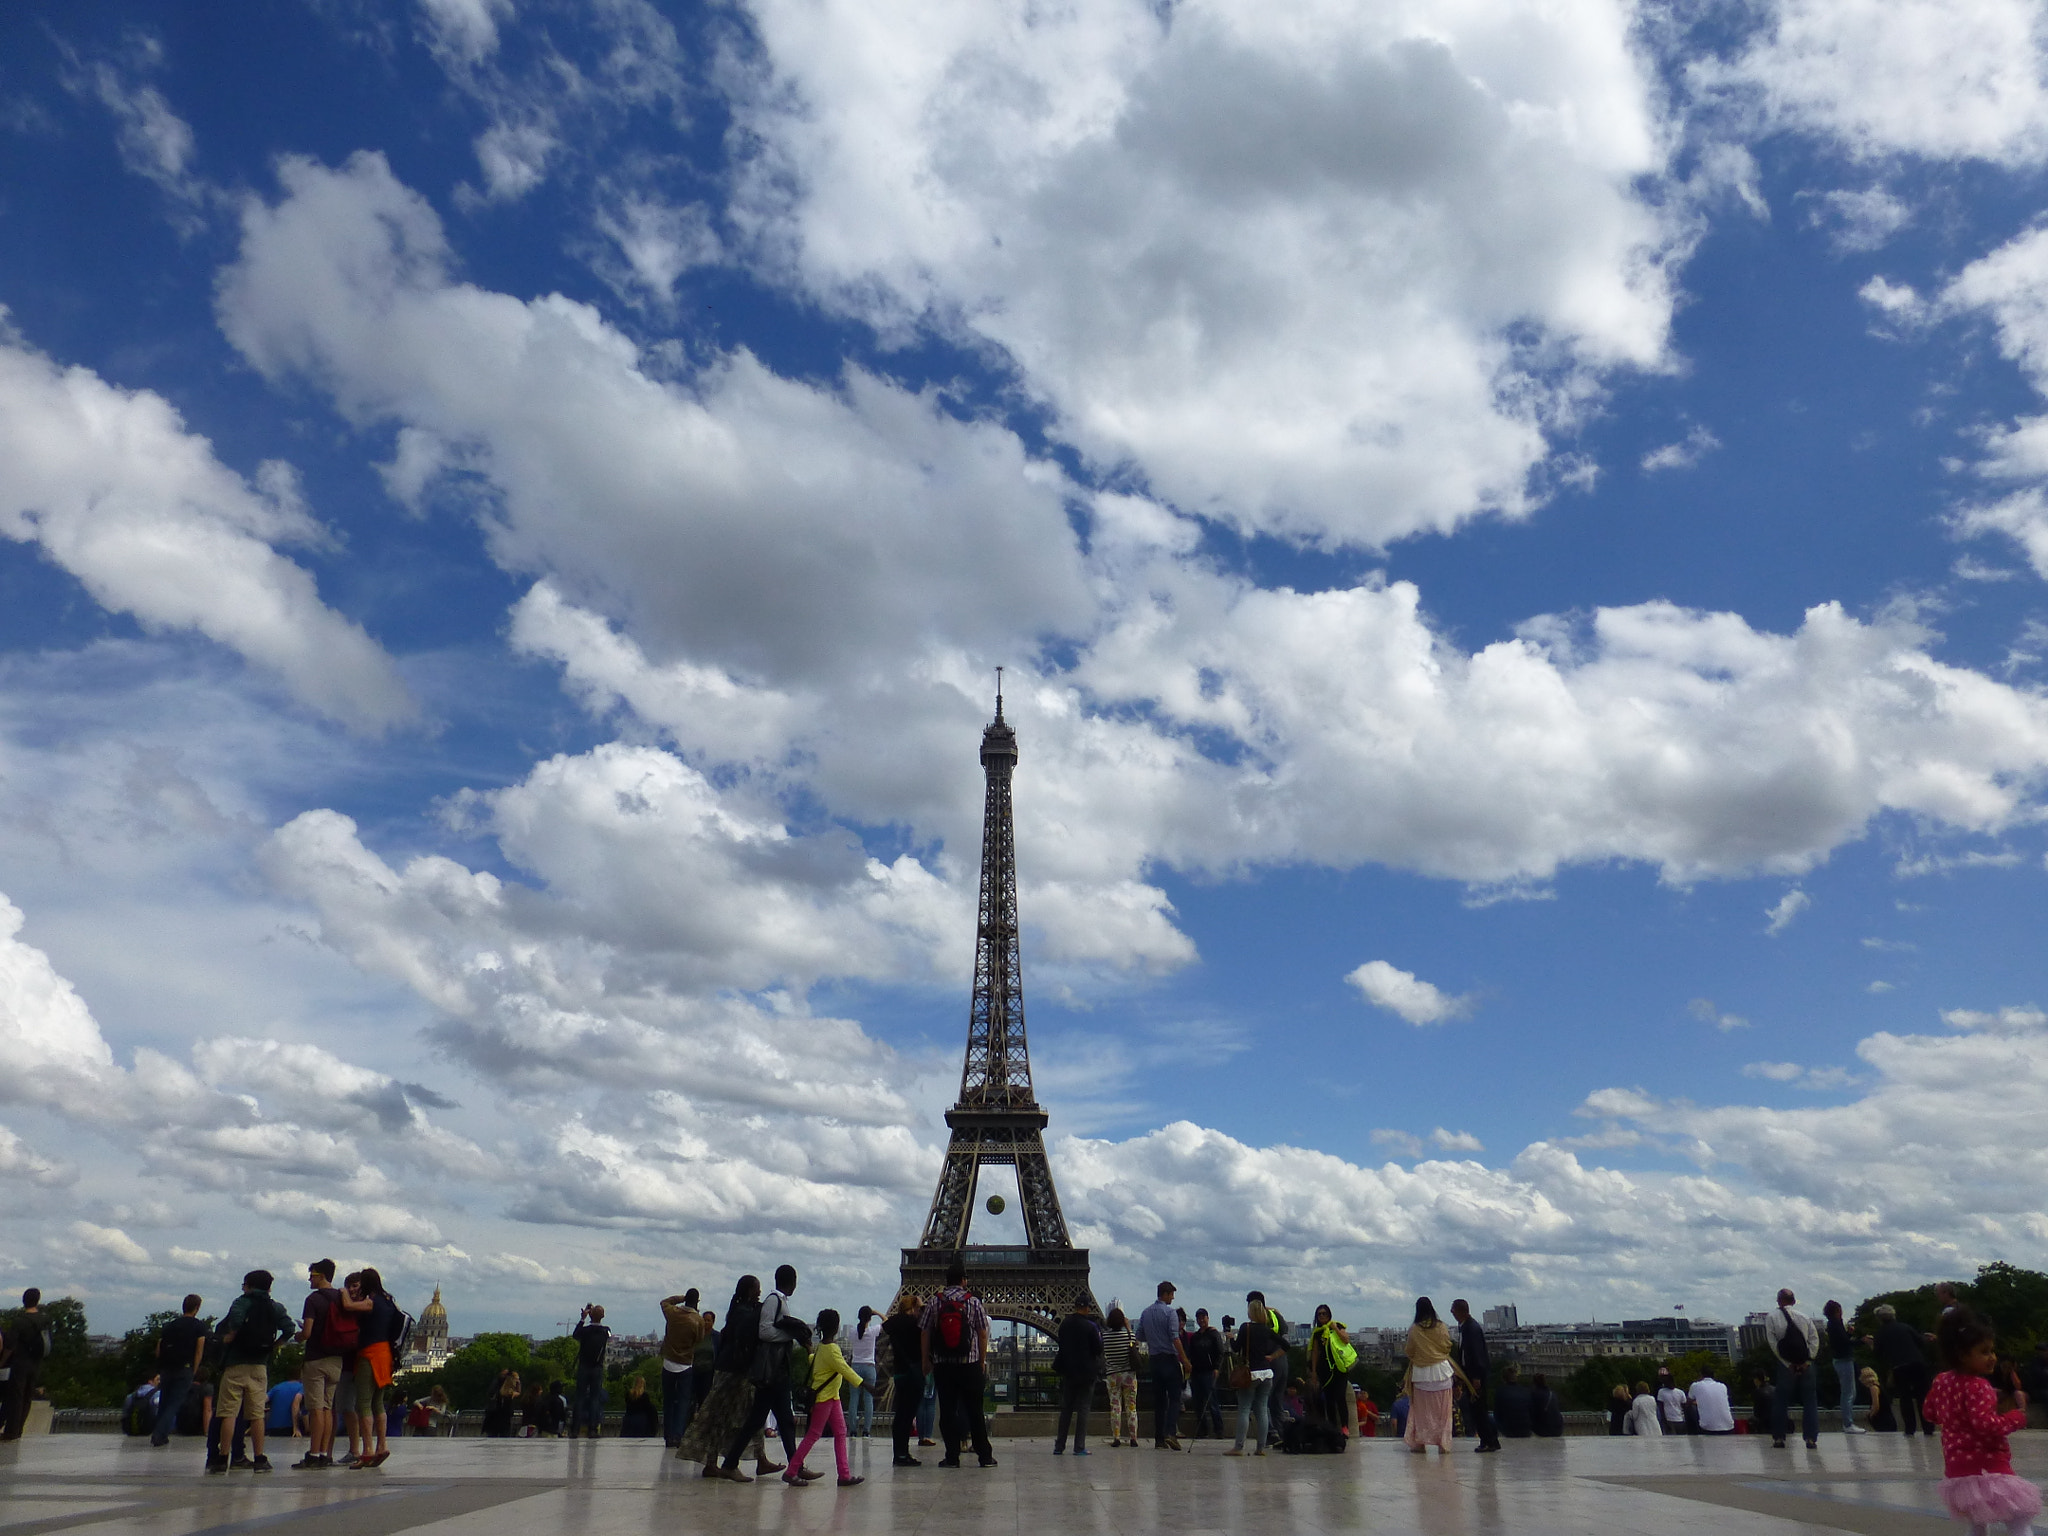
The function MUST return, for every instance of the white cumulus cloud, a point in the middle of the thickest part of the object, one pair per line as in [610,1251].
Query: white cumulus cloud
[1403,993]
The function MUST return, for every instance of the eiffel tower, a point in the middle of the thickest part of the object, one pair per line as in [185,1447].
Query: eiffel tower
[997,1120]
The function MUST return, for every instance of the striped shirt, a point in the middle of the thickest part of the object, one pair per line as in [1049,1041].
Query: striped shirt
[1116,1351]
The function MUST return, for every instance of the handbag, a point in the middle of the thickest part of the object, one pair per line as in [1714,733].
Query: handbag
[1240,1373]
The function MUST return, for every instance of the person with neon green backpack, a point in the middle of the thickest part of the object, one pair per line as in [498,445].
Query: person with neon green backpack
[1330,1358]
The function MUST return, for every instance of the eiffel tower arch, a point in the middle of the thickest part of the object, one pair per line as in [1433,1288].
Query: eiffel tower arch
[997,1121]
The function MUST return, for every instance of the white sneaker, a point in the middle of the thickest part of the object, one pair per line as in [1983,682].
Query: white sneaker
[1855,1429]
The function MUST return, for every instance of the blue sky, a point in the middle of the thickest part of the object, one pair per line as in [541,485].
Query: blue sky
[1517,540]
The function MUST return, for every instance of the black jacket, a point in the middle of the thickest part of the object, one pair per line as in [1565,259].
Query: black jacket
[1472,1349]
[1080,1355]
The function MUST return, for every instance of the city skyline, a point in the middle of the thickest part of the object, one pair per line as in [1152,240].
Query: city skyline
[1516,538]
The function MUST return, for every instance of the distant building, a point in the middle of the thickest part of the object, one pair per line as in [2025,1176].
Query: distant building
[625,1348]
[429,1347]
[1753,1333]
[1499,1319]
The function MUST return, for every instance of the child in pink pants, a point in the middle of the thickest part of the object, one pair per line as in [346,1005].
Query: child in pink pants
[829,1373]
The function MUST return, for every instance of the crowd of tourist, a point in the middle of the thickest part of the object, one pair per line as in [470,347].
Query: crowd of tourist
[724,1389]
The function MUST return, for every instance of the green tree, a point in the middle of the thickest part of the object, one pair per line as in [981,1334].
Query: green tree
[556,1358]
[1592,1385]
[471,1372]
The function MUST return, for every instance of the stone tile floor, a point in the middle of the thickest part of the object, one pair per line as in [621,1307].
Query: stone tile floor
[1879,1485]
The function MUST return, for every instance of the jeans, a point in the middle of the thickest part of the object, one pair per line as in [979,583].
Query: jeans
[1845,1373]
[1076,1394]
[677,1399]
[960,1415]
[909,1404]
[1251,1413]
[1166,1385]
[1808,1382]
[587,1410]
[861,1416]
[827,1415]
[176,1384]
[1206,1413]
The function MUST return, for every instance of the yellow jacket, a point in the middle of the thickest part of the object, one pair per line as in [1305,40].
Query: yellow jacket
[828,1370]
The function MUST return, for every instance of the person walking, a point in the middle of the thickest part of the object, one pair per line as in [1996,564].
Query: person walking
[179,1349]
[1261,1360]
[781,1330]
[1118,1362]
[1795,1347]
[682,1326]
[1904,1362]
[1159,1332]
[1432,1375]
[1078,1364]
[727,1410]
[955,1343]
[1842,1353]
[830,1372]
[1979,1485]
[1473,1362]
[859,1348]
[1206,1352]
[586,1411]
[905,1336]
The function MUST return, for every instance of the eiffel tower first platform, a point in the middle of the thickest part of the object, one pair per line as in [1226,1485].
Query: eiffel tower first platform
[997,1120]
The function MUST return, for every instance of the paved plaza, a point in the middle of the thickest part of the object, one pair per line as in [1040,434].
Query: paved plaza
[1880,1485]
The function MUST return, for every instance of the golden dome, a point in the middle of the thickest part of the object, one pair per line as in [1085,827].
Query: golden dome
[434,1312]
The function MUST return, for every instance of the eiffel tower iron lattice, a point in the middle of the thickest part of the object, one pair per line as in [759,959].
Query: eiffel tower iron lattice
[997,1120]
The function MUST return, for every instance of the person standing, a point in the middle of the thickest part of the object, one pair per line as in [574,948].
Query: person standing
[955,1340]
[1473,1361]
[682,1327]
[906,1360]
[859,1347]
[1898,1351]
[328,1331]
[179,1349]
[1078,1366]
[1978,1485]
[1842,1351]
[1330,1358]
[1263,1353]
[592,1338]
[703,1367]
[1118,1359]
[376,1327]
[253,1327]
[1206,1351]
[1432,1376]
[23,1351]
[1159,1332]
[1795,1347]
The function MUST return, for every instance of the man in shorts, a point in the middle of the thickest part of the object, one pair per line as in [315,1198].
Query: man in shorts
[322,1373]
[252,1329]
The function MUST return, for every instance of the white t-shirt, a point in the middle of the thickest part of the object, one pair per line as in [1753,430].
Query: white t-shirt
[1672,1402]
[1711,1397]
[860,1350]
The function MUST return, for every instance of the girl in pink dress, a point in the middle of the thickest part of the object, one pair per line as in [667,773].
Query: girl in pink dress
[1980,1486]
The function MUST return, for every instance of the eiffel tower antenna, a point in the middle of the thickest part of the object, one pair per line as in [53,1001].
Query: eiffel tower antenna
[997,1120]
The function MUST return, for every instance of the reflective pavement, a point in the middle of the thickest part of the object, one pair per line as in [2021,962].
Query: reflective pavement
[1881,1485]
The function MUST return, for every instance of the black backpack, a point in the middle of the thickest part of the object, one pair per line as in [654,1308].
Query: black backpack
[267,1325]
[402,1325]
[1792,1344]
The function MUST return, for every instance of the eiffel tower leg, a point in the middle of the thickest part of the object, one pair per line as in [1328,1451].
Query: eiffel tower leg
[1044,1225]
[953,1204]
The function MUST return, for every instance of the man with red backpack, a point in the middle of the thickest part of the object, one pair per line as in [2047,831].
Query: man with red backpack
[955,1340]
[328,1330]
